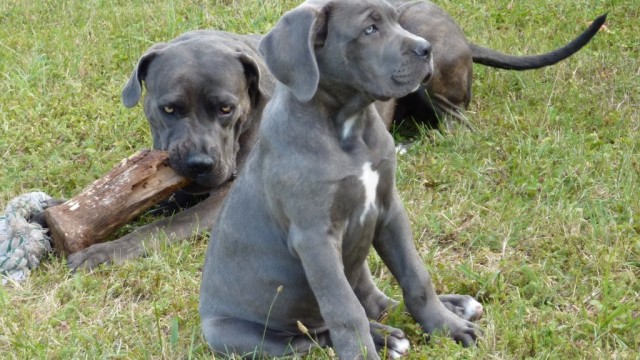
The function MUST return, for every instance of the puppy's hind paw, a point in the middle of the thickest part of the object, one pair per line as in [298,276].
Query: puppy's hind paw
[390,339]
[400,349]
[464,306]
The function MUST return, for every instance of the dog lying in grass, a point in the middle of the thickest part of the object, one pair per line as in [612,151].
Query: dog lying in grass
[444,98]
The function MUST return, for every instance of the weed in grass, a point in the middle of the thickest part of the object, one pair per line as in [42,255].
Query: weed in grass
[266,322]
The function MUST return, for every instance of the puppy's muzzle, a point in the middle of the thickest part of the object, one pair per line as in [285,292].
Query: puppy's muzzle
[422,49]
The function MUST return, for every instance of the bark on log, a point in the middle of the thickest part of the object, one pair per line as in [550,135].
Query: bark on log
[131,187]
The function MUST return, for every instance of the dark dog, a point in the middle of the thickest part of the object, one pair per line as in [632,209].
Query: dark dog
[318,191]
[206,113]
[444,99]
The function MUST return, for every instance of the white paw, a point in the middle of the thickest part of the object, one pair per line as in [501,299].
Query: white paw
[400,349]
[464,306]
[472,310]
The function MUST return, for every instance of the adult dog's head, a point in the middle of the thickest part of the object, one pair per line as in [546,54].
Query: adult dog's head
[355,45]
[203,91]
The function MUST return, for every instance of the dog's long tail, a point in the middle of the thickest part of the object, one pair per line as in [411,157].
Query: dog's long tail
[496,59]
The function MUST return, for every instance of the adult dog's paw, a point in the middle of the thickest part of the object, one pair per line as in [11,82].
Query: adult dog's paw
[89,258]
[392,339]
[127,247]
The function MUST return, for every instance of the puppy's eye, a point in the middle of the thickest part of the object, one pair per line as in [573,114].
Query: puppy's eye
[370,30]
[226,109]
[168,109]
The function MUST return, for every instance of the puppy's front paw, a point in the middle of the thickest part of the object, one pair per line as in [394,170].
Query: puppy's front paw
[462,331]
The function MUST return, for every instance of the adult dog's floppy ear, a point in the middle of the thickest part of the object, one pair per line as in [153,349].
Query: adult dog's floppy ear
[133,88]
[260,86]
[289,49]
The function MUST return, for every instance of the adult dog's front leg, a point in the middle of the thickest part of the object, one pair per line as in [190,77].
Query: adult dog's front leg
[394,243]
[194,220]
[339,306]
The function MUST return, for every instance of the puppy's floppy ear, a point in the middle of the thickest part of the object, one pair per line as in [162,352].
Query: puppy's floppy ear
[133,88]
[289,49]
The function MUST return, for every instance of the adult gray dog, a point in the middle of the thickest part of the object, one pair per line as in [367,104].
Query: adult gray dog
[318,191]
[193,80]
[205,92]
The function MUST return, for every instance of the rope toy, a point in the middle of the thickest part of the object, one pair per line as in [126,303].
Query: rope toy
[22,242]
[132,186]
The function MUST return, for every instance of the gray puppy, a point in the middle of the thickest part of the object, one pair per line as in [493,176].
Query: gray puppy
[318,191]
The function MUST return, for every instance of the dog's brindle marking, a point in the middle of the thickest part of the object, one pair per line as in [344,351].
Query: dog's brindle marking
[318,191]
[444,99]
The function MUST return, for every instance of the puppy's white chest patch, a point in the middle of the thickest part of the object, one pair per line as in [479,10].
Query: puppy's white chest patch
[369,180]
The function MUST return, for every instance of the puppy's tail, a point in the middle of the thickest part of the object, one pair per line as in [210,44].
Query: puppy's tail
[496,59]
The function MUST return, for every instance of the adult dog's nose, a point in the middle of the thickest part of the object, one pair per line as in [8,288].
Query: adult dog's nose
[422,48]
[199,164]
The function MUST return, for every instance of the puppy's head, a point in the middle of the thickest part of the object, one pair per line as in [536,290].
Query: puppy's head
[350,44]
[202,89]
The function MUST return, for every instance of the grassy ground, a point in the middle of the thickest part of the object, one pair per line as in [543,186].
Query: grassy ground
[537,213]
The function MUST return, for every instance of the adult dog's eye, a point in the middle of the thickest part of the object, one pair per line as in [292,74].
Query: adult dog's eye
[370,30]
[226,109]
[168,109]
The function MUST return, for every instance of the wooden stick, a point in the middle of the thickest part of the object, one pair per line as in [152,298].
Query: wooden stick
[132,186]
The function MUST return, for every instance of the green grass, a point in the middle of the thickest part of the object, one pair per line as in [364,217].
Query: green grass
[537,213]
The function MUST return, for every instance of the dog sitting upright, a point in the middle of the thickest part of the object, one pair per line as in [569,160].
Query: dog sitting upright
[318,190]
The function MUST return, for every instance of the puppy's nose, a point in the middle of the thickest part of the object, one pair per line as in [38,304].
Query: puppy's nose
[422,49]
[200,164]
